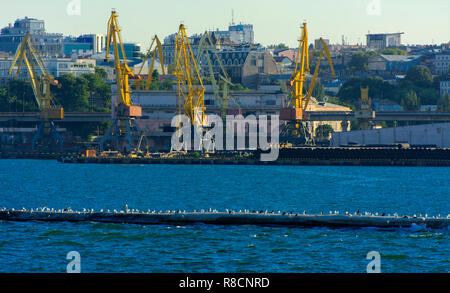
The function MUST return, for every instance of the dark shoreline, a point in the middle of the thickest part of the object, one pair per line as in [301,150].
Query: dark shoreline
[303,156]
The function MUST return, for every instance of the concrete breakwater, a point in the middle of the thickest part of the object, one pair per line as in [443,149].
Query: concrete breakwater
[356,220]
[345,156]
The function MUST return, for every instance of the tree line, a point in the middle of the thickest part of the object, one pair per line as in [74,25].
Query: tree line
[86,93]
[419,87]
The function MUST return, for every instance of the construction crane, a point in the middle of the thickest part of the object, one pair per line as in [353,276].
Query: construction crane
[223,82]
[124,135]
[191,98]
[46,136]
[295,129]
[152,52]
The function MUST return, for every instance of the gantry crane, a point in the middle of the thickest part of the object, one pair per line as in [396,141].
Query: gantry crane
[221,84]
[124,135]
[190,96]
[295,129]
[152,52]
[46,136]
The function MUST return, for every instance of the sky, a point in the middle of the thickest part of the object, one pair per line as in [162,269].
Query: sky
[423,22]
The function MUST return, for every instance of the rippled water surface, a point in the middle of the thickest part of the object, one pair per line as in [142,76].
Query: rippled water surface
[42,247]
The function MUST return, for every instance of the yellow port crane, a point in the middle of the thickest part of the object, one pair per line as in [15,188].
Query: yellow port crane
[46,136]
[124,135]
[295,128]
[190,97]
[152,52]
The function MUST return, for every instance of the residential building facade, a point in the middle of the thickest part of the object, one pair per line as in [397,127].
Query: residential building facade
[441,64]
[444,87]
[55,66]
[49,45]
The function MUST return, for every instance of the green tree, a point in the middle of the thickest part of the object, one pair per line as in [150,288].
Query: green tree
[98,88]
[324,130]
[318,91]
[350,92]
[238,87]
[420,76]
[101,72]
[444,103]
[393,51]
[23,91]
[20,94]
[280,46]
[411,101]
[73,94]
[360,61]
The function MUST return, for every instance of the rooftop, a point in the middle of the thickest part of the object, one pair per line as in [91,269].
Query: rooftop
[400,58]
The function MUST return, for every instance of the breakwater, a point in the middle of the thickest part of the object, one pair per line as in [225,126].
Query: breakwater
[355,220]
[344,156]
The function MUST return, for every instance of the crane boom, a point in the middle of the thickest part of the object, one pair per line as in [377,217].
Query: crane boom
[124,135]
[297,128]
[153,53]
[223,81]
[28,54]
[316,71]
[299,102]
[46,137]
[191,97]
[123,72]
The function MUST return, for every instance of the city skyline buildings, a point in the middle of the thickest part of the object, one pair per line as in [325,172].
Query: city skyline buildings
[422,23]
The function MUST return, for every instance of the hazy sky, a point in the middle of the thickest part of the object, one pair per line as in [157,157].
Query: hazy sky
[274,21]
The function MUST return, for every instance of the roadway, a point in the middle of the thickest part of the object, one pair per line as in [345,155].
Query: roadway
[68,117]
[80,117]
[381,116]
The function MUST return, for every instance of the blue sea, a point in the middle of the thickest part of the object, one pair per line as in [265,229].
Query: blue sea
[42,247]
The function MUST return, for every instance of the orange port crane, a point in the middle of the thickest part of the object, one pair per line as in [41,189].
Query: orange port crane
[295,115]
[46,136]
[124,135]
